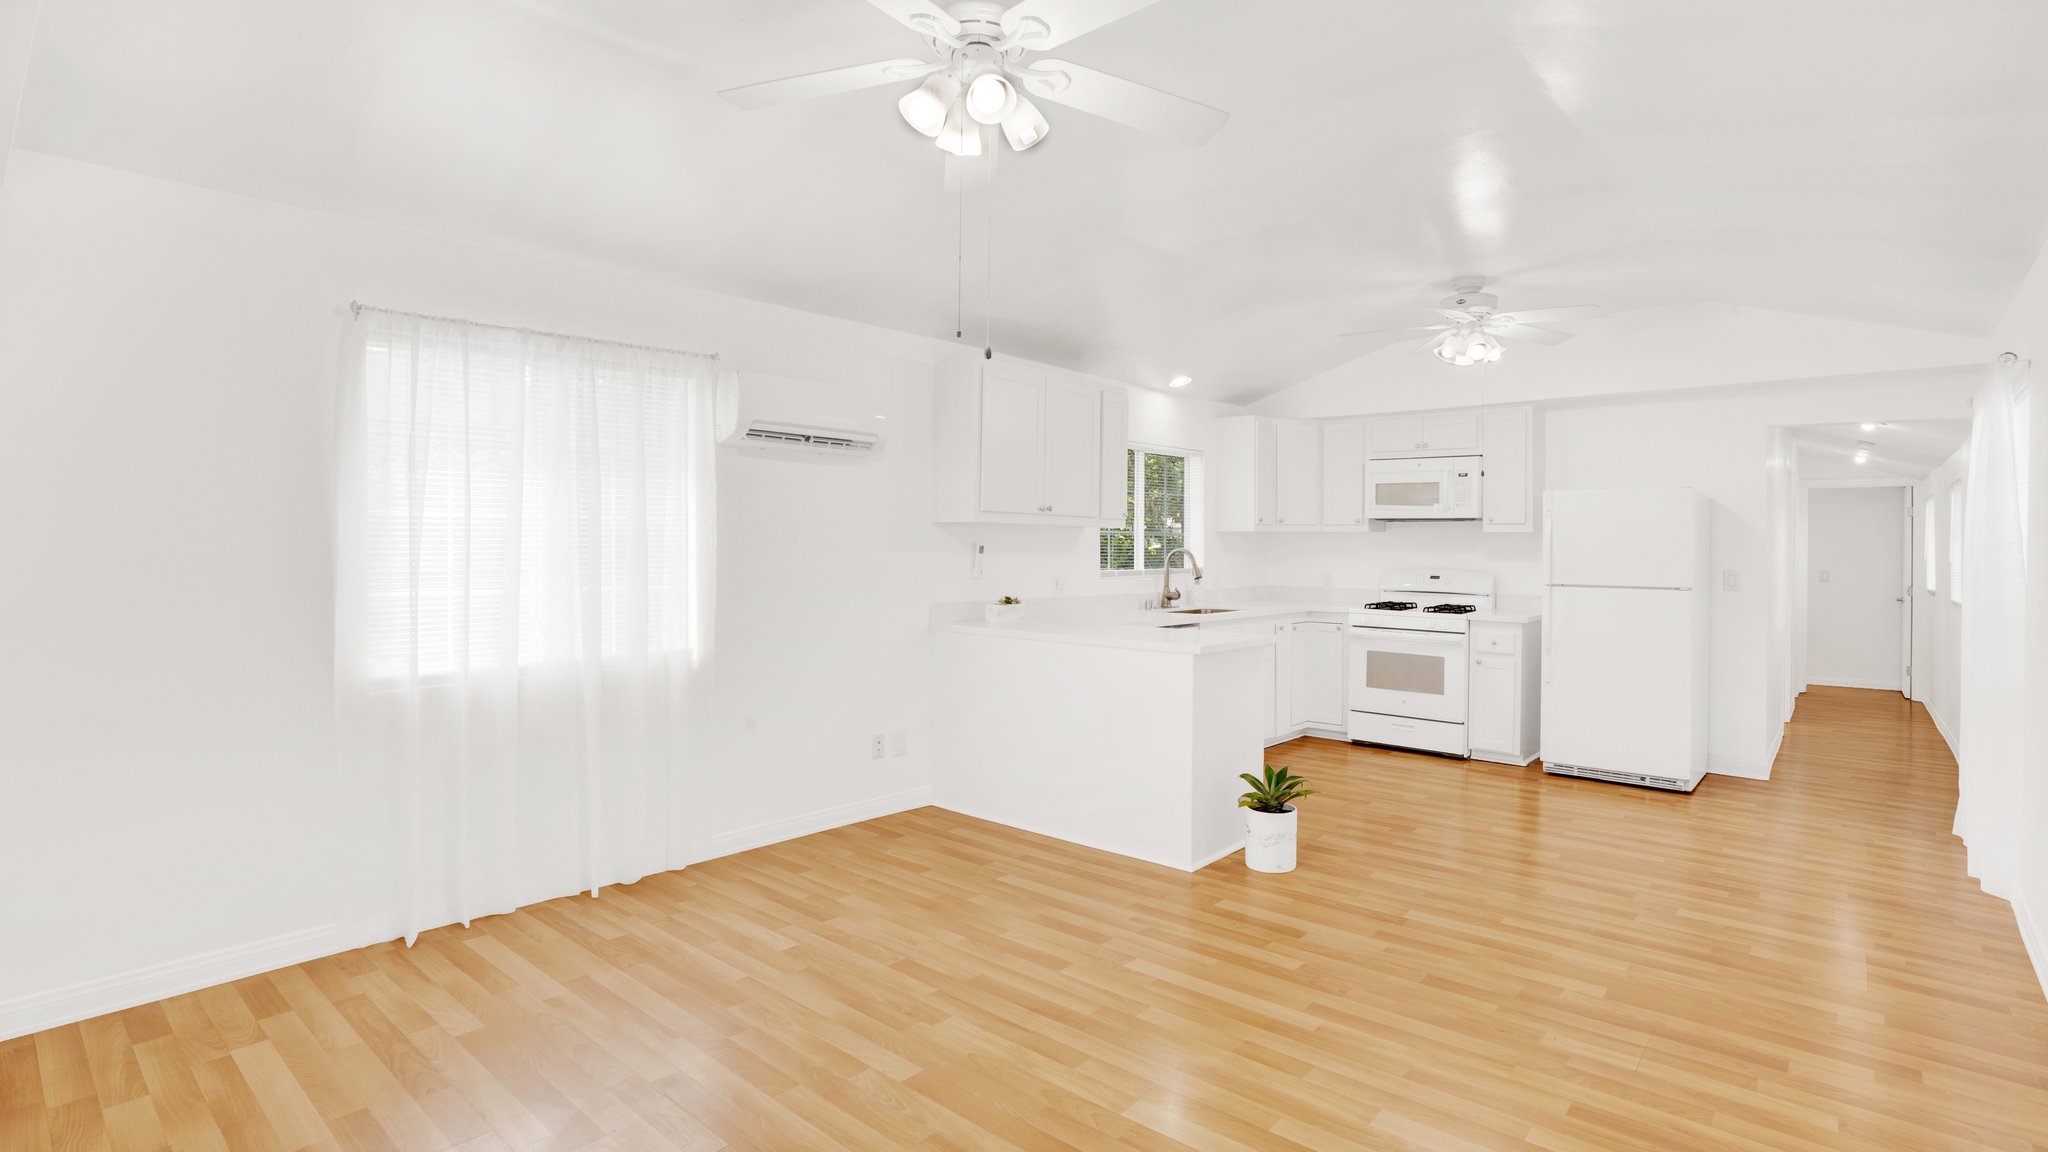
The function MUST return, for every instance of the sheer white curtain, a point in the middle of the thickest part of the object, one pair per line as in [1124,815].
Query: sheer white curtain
[523,587]
[1995,767]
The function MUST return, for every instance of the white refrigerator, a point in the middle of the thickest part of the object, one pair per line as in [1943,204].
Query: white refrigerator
[1625,636]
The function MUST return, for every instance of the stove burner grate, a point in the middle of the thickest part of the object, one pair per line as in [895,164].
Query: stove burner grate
[1392,605]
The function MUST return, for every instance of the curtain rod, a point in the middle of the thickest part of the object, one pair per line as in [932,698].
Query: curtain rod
[357,308]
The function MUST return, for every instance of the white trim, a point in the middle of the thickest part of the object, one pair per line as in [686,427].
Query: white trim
[1311,732]
[89,998]
[1501,758]
[1829,682]
[1955,746]
[2035,940]
[1743,769]
[824,819]
[961,810]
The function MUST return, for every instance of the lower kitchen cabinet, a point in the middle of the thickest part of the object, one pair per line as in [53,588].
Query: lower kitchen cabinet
[1317,694]
[1503,706]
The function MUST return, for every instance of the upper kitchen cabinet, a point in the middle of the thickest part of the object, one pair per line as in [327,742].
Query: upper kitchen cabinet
[1426,434]
[1019,444]
[1267,474]
[1344,451]
[1508,448]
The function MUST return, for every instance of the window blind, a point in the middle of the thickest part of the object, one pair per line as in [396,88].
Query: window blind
[1162,510]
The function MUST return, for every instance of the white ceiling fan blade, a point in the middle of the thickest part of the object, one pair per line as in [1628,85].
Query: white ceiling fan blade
[1453,314]
[1066,19]
[1124,101]
[1397,333]
[1430,343]
[1548,337]
[920,16]
[815,84]
[1546,315]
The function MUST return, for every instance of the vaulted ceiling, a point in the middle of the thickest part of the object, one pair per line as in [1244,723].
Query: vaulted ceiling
[1878,160]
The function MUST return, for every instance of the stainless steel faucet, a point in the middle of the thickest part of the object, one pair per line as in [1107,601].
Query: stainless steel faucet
[1167,592]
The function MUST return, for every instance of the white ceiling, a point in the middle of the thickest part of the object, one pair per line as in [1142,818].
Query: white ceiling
[1881,160]
[1907,448]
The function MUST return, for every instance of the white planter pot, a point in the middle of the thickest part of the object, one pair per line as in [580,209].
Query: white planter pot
[1269,840]
[1002,613]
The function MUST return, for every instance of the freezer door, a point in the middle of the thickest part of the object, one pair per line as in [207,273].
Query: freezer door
[1624,538]
[1620,669]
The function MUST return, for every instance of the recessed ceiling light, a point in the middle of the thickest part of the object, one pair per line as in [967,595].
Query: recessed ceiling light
[1869,427]
[1180,381]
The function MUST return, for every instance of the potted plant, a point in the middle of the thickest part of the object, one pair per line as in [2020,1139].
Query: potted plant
[1269,818]
[1003,611]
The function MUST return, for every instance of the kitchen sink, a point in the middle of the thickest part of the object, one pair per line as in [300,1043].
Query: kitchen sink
[1198,611]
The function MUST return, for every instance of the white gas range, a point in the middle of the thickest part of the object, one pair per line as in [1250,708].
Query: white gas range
[1408,657]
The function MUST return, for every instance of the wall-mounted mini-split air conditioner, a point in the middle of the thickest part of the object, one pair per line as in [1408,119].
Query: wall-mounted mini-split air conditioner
[775,414]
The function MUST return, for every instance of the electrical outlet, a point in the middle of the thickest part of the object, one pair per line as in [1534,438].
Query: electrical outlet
[902,743]
[1731,580]
[875,747]
[1826,577]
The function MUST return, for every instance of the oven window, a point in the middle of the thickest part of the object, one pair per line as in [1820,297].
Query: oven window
[1404,672]
[1414,494]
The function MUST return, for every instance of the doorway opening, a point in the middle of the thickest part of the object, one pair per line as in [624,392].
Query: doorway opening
[1853,502]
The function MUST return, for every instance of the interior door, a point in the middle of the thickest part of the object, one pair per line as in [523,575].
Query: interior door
[1073,450]
[1298,452]
[1012,432]
[1344,473]
[1907,581]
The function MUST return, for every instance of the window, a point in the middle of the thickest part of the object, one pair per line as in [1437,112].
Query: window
[1955,542]
[1162,510]
[1930,548]
[523,500]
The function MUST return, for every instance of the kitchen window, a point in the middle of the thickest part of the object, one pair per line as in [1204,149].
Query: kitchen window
[1162,510]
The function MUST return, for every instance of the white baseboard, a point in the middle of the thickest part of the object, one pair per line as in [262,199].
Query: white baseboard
[1313,731]
[1881,685]
[2036,940]
[1955,747]
[1097,845]
[1742,767]
[90,998]
[791,827]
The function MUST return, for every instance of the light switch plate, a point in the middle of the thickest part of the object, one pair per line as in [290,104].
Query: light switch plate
[1731,580]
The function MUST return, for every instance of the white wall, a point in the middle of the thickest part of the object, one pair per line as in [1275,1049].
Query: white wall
[1855,574]
[168,358]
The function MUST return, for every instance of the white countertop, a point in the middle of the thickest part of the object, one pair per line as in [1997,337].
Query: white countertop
[1166,631]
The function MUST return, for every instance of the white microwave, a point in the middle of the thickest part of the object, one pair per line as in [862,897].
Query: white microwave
[1430,488]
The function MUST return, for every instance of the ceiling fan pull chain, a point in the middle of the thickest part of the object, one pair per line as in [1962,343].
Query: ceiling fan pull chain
[988,267]
[959,259]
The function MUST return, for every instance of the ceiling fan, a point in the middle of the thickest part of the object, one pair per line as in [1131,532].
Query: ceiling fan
[1477,327]
[977,77]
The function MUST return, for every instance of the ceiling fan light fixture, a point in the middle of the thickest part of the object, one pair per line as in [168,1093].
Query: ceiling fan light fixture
[1025,125]
[924,107]
[960,136]
[991,97]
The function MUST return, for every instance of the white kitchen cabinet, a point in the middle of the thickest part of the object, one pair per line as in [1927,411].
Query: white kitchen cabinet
[1507,442]
[1074,466]
[1344,474]
[1316,691]
[1020,444]
[1425,434]
[1116,438]
[1268,475]
[1297,473]
[1503,705]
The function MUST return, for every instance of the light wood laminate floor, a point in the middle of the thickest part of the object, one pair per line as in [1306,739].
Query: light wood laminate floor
[1470,957]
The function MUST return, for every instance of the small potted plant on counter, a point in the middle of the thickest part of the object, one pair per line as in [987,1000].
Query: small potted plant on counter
[1269,818]
[1007,610]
